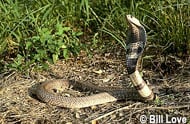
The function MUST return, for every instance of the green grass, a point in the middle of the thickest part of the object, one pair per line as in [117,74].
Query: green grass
[47,30]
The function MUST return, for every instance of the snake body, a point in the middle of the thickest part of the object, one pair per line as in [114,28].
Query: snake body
[135,46]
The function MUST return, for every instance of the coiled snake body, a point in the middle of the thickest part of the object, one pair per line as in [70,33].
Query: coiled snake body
[135,46]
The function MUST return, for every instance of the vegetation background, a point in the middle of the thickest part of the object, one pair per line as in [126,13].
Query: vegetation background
[35,31]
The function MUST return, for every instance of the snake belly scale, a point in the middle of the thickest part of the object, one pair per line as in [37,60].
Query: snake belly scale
[135,46]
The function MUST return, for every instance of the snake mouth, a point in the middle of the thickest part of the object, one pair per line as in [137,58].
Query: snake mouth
[133,20]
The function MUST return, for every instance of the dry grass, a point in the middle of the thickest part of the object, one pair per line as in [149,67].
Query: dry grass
[17,105]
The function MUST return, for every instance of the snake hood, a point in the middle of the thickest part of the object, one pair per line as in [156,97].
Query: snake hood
[135,43]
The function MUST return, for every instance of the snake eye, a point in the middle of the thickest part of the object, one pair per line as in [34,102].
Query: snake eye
[54,90]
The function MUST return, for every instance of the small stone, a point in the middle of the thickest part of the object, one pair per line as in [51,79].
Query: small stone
[77,115]
[68,123]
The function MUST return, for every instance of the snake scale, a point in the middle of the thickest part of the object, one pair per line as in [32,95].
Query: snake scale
[135,46]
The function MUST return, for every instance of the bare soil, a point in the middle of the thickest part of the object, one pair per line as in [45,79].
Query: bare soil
[19,106]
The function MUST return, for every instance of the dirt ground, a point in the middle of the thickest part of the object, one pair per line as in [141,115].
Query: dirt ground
[19,106]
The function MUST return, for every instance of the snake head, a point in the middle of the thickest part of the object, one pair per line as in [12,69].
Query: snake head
[136,33]
[133,20]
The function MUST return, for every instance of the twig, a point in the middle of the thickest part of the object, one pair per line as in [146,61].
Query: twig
[169,107]
[109,113]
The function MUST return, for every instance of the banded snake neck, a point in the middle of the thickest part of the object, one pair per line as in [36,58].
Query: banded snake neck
[136,43]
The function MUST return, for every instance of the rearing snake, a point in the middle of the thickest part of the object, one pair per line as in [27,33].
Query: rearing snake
[135,46]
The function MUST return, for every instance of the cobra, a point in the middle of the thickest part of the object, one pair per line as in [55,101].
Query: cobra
[135,45]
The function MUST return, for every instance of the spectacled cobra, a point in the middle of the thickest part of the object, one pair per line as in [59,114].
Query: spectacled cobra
[135,46]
